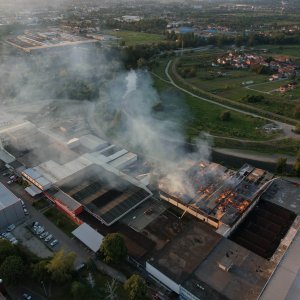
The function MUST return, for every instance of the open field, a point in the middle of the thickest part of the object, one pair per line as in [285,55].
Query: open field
[269,87]
[289,50]
[198,116]
[205,117]
[230,84]
[132,38]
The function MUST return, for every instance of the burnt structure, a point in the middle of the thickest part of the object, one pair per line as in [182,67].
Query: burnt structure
[214,194]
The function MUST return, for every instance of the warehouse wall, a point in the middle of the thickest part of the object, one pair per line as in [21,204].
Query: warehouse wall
[11,214]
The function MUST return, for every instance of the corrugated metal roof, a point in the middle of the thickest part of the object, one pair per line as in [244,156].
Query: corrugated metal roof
[32,173]
[92,142]
[68,201]
[32,190]
[7,198]
[90,237]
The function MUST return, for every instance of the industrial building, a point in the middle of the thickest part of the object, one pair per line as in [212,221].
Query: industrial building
[11,210]
[198,262]
[214,194]
[78,173]
[54,38]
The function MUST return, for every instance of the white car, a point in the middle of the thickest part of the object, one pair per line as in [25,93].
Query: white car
[11,227]
[48,238]
[39,230]
[26,211]
[44,234]
[53,243]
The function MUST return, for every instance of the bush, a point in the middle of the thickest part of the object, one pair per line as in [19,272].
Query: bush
[225,115]
[253,98]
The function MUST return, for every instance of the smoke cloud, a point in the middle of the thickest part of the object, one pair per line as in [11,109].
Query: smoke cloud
[50,87]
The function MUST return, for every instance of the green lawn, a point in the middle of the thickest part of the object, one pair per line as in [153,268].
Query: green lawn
[289,50]
[230,84]
[197,116]
[132,38]
[61,220]
[40,204]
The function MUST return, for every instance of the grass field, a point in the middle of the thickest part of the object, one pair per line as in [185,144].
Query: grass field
[132,38]
[289,50]
[228,83]
[61,220]
[196,116]
[40,204]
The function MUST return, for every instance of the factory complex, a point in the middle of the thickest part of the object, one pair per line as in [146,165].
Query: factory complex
[215,194]
[84,173]
[210,232]
[53,38]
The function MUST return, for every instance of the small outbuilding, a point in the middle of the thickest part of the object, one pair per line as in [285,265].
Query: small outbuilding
[88,236]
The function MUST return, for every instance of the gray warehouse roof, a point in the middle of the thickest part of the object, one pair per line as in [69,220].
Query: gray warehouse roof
[7,198]
[90,237]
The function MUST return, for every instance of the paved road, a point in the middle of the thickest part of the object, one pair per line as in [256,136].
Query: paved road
[254,155]
[68,244]
[287,129]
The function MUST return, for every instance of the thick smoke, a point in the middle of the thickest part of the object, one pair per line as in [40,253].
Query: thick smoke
[41,87]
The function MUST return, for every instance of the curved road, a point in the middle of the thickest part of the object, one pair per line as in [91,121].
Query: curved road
[287,129]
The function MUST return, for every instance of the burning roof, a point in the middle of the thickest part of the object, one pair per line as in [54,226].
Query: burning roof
[211,191]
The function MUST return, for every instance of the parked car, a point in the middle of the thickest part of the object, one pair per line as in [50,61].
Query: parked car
[35,224]
[5,174]
[9,182]
[53,243]
[26,296]
[39,230]
[48,238]
[26,211]
[11,227]
[79,267]
[44,234]
[23,204]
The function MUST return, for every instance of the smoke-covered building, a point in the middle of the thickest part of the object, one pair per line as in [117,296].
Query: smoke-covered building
[79,173]
[11,209]
[213,193]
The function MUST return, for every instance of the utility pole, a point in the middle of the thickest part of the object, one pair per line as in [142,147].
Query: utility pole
[43,285]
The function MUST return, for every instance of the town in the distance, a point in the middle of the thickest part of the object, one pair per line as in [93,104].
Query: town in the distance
[150,150]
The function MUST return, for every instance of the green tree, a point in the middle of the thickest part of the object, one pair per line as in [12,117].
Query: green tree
[281,165]
[297,164]
[142,63]
[79,290]
[113,248]
[136,288]
[6,249]
[297,112]
[297,128]
[61,266]
[12,269]
[225,115]
[39,270]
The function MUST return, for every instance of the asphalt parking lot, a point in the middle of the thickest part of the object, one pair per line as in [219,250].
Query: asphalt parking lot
[31,241]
